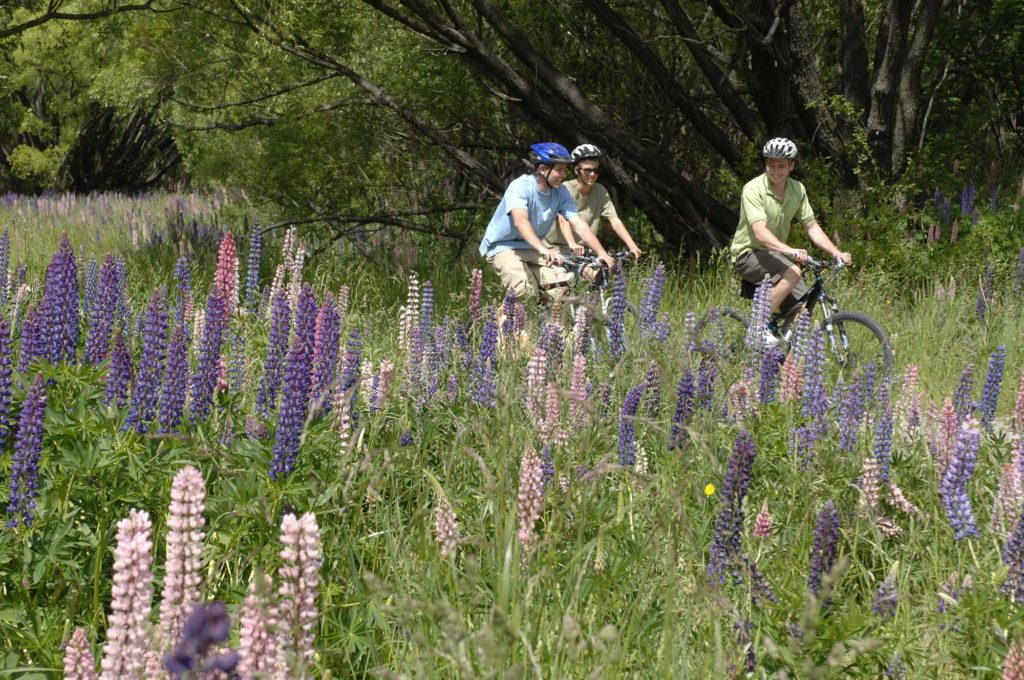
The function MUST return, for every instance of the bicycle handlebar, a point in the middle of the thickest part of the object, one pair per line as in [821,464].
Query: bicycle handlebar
[590,259]
[817,266]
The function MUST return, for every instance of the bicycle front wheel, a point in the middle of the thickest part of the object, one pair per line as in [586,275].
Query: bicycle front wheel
[856,340]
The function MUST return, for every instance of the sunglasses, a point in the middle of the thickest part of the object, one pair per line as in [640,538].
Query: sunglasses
[589,171]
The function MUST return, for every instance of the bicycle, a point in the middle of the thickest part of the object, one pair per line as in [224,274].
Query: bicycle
[854,338]
[590,290]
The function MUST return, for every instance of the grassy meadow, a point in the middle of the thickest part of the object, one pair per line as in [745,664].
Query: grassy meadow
[597,569]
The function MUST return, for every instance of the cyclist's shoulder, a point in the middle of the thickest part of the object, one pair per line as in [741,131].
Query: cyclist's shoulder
[757,185]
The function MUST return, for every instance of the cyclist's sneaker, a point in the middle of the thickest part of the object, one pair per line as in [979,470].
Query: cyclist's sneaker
[773,327]
[771,339]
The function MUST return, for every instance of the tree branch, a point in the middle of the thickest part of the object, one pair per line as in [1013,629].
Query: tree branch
[52,14]
[246,102]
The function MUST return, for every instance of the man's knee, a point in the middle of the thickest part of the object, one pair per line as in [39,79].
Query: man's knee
[790,277]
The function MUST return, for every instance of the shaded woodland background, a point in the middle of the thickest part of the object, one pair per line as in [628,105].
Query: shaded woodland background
[353,116]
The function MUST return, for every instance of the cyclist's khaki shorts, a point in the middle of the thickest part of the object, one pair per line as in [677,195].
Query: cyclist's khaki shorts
[754,264]
[524,272]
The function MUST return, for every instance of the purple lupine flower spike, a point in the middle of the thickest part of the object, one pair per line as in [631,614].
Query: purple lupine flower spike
[325,351]
[172,397]
[1013,557]
[883,433]
[252,273]
[963,399]
[119,374]
[97,343]
[183,286]
[650,303]
[627,425]
[815,403]
[27,448]
[214,325]
[31,340]
[146,391]
[59,311]
[825,547]
[617,317]
[277,348]
[5,379]
[92,283]
[5,265]
[484,373]
[685,402]
[953,488]
[993,382]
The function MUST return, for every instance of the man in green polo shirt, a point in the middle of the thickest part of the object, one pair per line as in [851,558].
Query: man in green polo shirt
[768,207]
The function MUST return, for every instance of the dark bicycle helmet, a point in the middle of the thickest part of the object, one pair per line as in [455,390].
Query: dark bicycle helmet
[585,152]
[549,153]
[780,147]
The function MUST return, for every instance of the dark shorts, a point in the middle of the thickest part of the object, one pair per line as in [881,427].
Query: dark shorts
[754,264]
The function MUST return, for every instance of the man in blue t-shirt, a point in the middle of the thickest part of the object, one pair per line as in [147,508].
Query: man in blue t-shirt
[513,244]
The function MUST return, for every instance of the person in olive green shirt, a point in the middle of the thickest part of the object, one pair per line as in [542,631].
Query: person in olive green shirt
[769,204]
[593,204]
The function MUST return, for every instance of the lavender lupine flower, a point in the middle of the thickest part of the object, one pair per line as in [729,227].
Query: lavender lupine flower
[476,287]
[484,378]
[883,433]
[90,287]
[59,311]
[815,403]
[124,655]
[707,376]
[1013,558]
[172,395]
[759,316]
[183,286]
[79,663]
[898,500]
[348,393]
[531,498]
[627,425]
[214,325]
[943,204]
[652,390]
[28,445]
[851,413]
[963,399]
[277,348]
[5,265]
[896,670]
[803,442]
[252,272]
[429,368]
[206,627]
[771,358]
[825,547]
[650,301]
[553,342]
[726,546]
[967,196]
[119,375]
[300,580]
[185,534]
[325,350]
[617,317]
[887,596]
[146,391]
[257,638]
[993,382]
[581,330]
[5,379]
[236,362]
[294,404]
[508,314]
[685,404]
[405,438]
[953,488]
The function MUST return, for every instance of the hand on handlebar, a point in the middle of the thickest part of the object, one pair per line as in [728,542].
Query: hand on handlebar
[552,258]
[636,252]
[608,260]
[844,257]
[577,249]
[798,255]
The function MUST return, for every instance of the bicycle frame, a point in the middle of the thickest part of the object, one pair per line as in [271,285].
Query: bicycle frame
[818,295]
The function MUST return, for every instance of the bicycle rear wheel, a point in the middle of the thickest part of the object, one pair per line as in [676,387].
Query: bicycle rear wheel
[855,340]
[725,327]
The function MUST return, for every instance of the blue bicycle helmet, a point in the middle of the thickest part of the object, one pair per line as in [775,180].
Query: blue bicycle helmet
[549,153]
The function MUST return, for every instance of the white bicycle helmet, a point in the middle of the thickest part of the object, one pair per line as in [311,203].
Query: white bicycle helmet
[584,152]
[780,147]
